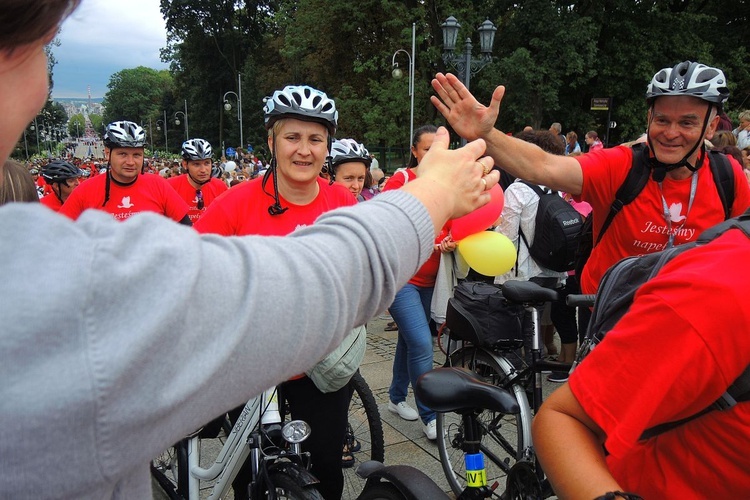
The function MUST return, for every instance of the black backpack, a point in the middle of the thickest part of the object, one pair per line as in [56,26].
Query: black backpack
[558,227]
[634,183]
[615,295]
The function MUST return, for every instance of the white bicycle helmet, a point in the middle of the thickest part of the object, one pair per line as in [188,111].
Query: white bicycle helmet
[302,102]
[124,134]
[196,149]
[346,150]
[691,79]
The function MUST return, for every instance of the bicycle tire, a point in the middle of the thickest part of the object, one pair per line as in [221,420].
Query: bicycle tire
[365,427]
[169,472]
[288,489]
[505,438]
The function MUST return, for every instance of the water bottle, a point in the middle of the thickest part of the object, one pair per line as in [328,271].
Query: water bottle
[271,413]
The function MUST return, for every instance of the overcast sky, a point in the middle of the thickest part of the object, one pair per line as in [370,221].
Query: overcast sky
[103,37]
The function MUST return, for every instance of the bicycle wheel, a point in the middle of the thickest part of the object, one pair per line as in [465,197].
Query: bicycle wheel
[288,489]
[505,438]
[169,473]
[364,434]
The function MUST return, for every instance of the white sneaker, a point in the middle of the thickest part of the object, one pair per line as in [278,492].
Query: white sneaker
[403,410]
[430,430]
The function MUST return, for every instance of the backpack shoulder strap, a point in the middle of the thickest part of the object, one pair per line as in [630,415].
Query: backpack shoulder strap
[631,187]
[538,190]
[723,174]
[738,392]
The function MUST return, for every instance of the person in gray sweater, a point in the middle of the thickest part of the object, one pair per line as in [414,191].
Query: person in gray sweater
[117,339]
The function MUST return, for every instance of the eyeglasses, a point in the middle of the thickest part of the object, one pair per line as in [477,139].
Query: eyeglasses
[199,197]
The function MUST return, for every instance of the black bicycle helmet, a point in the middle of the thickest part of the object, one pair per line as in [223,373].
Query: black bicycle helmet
[217,171]
[348,150]
[196,149]
[691,79]
[59,171]
[124,134]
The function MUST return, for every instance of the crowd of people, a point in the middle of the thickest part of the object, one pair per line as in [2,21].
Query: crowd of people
[94,372]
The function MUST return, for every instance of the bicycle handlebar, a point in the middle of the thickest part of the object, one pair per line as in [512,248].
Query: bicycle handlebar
[580,300]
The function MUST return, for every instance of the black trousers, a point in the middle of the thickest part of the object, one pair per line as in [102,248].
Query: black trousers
[327,415]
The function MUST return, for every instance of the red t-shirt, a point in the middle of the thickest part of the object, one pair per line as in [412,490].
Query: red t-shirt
[243,210]
[426,274]
[685,339]
[149,193]
[51,201]
[210,191]
[641,228]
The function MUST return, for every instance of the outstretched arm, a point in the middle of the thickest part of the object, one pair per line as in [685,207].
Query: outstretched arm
[471,119]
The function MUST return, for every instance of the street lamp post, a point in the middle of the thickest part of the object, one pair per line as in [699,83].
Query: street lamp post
[464,64]
[398,73]
[35,128]
[166,140]
[177,121]
[228,105]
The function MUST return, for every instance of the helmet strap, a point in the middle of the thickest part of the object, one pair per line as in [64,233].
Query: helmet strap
[58,193]
[199,183]
[328,165]
[276,208]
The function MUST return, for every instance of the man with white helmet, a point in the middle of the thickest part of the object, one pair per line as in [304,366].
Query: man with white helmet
[123,191]
[590,435]
[678,201]
[197,186]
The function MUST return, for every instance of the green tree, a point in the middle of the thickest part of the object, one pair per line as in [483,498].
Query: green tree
[96,122]
[76,125]
[553,56]
[135,94]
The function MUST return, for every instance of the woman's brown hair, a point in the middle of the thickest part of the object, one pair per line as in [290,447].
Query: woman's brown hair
[16,184]
[25,21]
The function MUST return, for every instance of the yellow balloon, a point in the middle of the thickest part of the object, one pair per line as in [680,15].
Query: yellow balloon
[488,252]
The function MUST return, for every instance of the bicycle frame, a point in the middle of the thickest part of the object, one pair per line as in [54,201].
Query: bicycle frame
[233,454]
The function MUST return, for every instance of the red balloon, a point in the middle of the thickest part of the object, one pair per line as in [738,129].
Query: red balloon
[481,218]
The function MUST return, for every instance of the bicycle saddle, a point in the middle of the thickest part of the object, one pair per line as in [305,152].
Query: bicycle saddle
[462,391]
[524,292]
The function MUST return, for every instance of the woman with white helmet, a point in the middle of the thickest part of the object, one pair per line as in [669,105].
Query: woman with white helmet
[350,163]
[197,186]
[301,122]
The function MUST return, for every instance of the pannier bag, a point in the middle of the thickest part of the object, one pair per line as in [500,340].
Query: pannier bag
[478,313]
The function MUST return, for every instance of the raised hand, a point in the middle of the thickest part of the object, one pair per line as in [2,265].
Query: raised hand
[468,117]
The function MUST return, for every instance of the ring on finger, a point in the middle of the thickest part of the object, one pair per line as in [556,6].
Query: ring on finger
[485,169]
